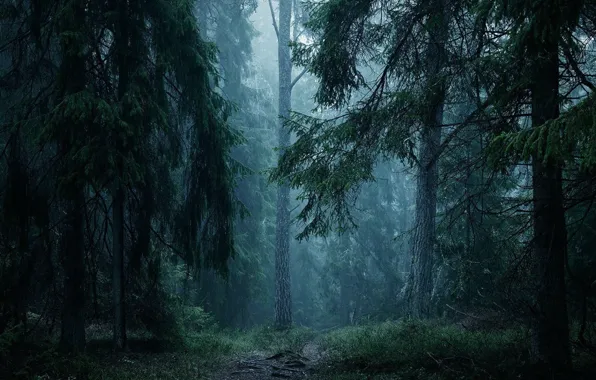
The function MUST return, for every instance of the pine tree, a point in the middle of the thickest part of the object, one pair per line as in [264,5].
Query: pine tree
[403,106]
[420,283]
[133,110]
[283,295]
[71,116]
[539,32]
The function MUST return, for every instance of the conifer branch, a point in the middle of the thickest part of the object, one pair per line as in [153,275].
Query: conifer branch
[576,69]
[469,120]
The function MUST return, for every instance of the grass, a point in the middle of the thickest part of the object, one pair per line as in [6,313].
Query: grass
[191,356]
[416,350]
[267,339]
[430,350]
[391,350]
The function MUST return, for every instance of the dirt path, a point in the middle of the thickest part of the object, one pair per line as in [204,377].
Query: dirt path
[282,365]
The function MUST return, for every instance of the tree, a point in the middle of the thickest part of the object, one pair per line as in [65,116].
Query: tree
[405,104]
[420,283]
[550,230]
[123,104]
[69,129]
[233,299]
[540,31]
[118,280]
[283,294]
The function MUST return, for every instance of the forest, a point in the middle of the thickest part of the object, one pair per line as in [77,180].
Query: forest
[322,189]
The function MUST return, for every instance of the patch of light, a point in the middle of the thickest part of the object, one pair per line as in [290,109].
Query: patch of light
[305,39]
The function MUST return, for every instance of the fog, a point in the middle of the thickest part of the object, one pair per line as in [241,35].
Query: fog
[334,189]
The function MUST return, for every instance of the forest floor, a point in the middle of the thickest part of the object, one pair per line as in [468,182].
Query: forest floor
[391,350]
[282,365]
[382,351]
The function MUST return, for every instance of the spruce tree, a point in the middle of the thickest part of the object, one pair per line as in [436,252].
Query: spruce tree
[397,114]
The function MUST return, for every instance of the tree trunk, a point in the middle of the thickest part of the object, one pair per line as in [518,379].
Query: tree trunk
[424,227]
[143,226]
[72,81]
[118,267]
[420,283]
[72,335]
[344,299]
[283,295]
[551,339]
[118,280]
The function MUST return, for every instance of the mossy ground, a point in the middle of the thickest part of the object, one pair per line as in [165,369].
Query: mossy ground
[391,350]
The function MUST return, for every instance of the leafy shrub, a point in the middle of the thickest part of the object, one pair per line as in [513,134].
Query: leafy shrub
[194,319]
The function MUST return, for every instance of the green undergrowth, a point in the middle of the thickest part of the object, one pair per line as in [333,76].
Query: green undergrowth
[269,340]
[391,350]
[190,353]
[416,350]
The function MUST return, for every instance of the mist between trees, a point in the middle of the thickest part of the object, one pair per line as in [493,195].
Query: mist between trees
[333,189]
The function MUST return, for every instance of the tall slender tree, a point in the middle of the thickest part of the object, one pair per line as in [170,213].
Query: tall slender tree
[402,110]
[118,194]
[283,294]
[424,239]
[72,83]
[550,230]
[539,32]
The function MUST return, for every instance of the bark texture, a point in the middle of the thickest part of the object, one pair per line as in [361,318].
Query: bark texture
[283,295]
[420,284]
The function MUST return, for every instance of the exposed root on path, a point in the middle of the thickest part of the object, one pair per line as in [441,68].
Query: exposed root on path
[282,365]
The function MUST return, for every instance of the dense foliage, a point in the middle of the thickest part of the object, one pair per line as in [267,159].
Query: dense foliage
[405,186]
